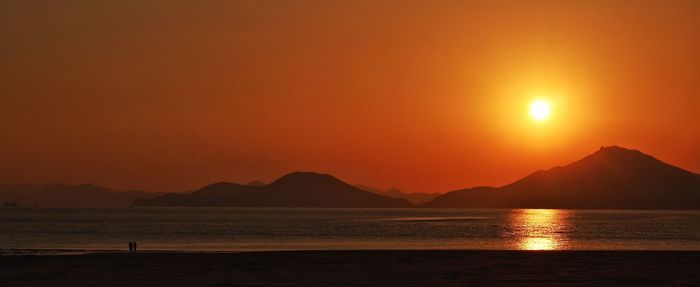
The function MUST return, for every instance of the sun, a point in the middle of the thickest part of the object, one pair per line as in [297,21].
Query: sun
[539,110]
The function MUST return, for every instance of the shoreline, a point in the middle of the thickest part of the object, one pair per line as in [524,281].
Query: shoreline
[73,252]
[356,268]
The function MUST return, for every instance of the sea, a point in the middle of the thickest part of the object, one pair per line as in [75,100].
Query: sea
[31,230]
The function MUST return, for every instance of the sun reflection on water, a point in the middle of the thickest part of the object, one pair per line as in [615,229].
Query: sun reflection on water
[540,229]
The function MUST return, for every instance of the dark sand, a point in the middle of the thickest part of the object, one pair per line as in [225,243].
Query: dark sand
[357,268]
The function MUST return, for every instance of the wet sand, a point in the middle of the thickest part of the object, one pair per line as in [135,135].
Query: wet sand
[356,268]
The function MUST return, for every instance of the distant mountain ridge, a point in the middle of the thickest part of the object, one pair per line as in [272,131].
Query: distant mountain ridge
[415,197]
[256,183]
[297,189]
[612,177]
[68,196]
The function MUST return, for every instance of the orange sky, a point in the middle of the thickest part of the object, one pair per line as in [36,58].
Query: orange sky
[421,95]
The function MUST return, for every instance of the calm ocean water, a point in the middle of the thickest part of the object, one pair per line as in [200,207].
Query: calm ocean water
[233,229]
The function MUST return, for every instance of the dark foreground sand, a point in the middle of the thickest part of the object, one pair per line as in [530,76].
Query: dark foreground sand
[356,268]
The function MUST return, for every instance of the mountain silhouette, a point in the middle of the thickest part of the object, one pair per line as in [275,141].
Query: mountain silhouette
[297,189]
[612,177]
[416,197]
[256,183]
[69,196]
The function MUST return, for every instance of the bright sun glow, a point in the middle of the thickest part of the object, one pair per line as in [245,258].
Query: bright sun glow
[539,110]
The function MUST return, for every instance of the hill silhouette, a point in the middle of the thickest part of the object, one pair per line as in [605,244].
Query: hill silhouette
[414,197]
[68,196]
[256,183]
[298,189]
[612,177]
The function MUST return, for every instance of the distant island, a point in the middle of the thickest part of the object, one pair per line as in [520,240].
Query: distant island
[68,196]
[611,178]
[297,189]
[413,197]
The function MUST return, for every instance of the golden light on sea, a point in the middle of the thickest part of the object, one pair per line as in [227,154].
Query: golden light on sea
[540,229]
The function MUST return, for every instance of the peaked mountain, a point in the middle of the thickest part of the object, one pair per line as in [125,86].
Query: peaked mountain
[416,198]
[68,196]
[613,177]
[298,189]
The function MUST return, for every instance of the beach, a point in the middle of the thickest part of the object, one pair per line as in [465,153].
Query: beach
[356,268]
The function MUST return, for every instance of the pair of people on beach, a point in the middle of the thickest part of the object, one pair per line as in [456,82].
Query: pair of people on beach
[132,247]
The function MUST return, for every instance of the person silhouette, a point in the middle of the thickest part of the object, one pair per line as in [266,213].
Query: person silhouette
[131,247]
[134,247]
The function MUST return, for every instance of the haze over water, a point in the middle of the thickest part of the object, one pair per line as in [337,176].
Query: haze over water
[237,229]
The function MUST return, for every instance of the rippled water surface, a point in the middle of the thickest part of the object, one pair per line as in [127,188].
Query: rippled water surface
[232,229]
